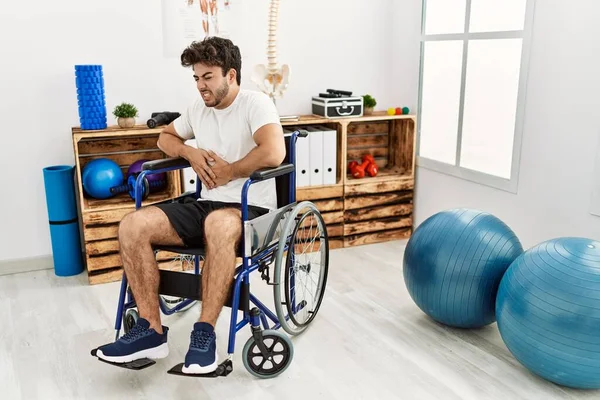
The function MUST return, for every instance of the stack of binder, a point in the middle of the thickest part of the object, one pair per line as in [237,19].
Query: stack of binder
[316,156]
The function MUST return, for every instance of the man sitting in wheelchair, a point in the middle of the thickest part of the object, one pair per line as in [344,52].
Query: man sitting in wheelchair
[237,132]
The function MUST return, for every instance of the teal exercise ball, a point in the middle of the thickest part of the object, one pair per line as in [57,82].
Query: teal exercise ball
[548,309]
[99,175]
[453,264]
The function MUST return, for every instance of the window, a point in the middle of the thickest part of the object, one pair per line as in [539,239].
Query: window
[474,58]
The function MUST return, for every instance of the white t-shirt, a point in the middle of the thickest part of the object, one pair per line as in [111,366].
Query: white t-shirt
[229,133]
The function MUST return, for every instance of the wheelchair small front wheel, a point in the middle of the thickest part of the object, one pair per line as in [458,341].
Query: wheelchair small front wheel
[130,319]
[301,267]
[280,353]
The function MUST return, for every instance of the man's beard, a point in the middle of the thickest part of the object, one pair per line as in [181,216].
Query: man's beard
[219,95]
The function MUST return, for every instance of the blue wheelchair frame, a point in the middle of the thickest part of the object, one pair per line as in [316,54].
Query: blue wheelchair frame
[249,264]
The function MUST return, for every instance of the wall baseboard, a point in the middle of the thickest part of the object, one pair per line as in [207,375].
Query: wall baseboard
[16,266]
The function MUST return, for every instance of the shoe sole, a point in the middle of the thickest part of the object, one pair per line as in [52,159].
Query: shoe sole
[197,369]
[161,351]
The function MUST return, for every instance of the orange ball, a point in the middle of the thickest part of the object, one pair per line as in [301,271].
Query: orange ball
[398,111]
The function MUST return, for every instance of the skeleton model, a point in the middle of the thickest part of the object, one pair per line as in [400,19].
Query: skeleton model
[272,79]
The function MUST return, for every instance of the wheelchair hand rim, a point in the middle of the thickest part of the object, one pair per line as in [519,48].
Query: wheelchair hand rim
[278,263]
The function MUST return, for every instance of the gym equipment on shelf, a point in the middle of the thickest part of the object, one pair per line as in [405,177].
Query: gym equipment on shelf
[99,176]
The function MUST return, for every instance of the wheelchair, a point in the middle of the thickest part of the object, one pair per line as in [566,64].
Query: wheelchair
[289,248]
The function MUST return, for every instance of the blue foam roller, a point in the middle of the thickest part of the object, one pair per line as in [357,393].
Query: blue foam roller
[88,67]
[86,91]
[91,74]
[62,217]
[89,80]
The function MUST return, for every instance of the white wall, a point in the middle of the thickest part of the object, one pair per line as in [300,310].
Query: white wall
[560,138]
[369,47]
[329,44]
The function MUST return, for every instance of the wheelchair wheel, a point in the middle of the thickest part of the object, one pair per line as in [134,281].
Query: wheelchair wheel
[301,267]
[130,319]
[281,354]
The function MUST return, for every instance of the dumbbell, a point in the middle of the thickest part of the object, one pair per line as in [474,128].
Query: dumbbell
[351,165]
[148,186]
[151,183]
[368,166]
[358,171]
[372,168]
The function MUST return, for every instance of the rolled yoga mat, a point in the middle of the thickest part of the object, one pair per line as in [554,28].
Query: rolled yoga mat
[62,215]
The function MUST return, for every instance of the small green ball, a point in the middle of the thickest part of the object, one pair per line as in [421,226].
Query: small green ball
[405,110]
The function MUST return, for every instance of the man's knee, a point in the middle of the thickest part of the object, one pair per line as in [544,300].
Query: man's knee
[131,227]
[139,225]
[148,225]
[223,224]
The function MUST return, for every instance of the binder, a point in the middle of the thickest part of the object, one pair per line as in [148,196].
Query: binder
[302,158]
[188,174]
[315,136]
[329,155]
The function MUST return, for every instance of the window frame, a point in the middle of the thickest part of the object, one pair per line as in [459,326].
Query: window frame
[511,184]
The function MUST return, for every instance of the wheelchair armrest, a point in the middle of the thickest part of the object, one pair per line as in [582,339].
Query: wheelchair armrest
[268,173]
[166,163]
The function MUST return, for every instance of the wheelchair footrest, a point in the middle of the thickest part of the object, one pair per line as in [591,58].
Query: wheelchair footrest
[223,369]
[135,365]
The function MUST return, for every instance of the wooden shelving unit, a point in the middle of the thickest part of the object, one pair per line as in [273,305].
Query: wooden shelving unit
[371,209]
[356,211]
[99,218]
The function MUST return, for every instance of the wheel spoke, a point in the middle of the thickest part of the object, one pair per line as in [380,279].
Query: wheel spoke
[301,268]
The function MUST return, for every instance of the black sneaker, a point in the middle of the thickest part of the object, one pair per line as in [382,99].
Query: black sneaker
[140,342]
[201,357]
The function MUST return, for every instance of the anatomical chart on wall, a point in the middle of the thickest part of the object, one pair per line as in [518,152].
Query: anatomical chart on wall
[187,20]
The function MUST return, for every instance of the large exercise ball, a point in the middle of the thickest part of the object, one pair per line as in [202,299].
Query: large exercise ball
[99,175]
[548,310]
[453,264]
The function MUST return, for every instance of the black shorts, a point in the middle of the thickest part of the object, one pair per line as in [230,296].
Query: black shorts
[188,218]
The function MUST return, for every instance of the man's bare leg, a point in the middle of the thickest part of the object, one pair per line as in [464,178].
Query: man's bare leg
[137,232]
[223,230]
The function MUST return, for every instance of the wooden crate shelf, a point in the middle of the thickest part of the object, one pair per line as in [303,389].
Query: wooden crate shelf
[373,209]
[377,213]
[99,218]
[329,200]
[355,211]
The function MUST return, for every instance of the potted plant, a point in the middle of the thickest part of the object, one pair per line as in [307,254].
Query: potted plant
[125,113]
[369,103]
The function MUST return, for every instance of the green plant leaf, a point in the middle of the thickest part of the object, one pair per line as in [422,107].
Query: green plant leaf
[125,110]
[369,101]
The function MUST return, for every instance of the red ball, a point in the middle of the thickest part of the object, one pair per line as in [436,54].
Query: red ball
[398,111]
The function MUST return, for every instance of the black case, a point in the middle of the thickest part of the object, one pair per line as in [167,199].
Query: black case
[340,107]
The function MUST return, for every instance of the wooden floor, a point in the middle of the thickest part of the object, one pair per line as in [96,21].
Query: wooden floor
[369,342]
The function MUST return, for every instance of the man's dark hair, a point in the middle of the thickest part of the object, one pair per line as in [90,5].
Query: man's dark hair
[214,51]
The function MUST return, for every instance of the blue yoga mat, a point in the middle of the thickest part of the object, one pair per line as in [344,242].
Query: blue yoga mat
[62,218]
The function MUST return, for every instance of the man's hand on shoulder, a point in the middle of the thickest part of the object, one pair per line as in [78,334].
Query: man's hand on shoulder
[223,171]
